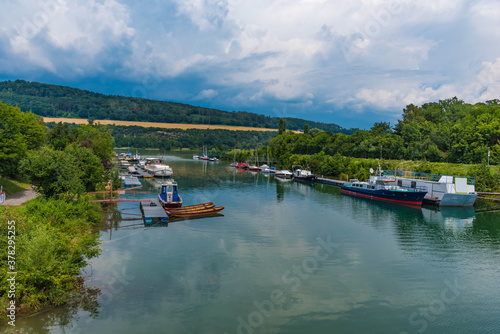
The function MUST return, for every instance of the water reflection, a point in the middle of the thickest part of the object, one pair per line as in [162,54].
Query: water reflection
[200,275]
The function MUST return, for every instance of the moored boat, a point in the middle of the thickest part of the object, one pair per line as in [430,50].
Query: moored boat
[131,181]
[201,212]
[384,188]
[442,190]
[283,174]
[169,196]
[156,167]
[301,174]
[188,208]
[242,165]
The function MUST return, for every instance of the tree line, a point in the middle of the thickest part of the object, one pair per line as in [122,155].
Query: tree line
[445,131]
[61,101]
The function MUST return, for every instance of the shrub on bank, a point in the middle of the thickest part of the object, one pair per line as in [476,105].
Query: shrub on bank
[53,241]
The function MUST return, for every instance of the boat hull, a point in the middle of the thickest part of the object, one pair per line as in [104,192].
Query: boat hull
[196,213]
[310,178]
[169,205]
[399,197]
[455,200]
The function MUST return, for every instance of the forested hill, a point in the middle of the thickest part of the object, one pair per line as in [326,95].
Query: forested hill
[61,101]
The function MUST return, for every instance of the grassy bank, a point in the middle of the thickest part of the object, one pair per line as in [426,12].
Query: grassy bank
[53,239]
[12,187]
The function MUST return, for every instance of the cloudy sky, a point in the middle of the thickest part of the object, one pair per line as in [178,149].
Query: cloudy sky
[350,62]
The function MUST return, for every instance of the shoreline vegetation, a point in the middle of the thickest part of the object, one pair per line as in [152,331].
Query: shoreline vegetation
[49,239]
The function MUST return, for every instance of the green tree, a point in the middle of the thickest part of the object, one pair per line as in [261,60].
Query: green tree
[52,172]
[18,132]
[91,171]
[282,126]
[306,129]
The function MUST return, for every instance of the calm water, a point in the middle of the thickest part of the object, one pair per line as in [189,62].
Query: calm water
[288,258]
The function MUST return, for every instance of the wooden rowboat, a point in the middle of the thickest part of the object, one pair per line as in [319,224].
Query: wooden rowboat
[200,212]
[193,207]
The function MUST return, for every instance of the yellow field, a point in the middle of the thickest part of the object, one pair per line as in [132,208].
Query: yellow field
[157,125]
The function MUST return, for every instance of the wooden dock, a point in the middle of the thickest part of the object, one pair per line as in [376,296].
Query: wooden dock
[153,212]
[330,182]
[116,196]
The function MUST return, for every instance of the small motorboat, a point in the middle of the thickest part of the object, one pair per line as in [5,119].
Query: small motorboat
[242,165]
[169,196]
[301,174]
[283,174]
[131,181]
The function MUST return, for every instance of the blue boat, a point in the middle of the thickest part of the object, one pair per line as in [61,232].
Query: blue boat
[169,196]
[131,181]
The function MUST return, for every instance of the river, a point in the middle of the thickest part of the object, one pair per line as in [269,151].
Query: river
[286,257]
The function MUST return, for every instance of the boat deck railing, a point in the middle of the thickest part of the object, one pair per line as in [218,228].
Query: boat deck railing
[428,176]
[396,187]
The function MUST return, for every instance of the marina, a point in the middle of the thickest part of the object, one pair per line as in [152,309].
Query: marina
[377,261]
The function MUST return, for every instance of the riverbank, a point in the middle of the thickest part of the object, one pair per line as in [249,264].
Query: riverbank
[53,238]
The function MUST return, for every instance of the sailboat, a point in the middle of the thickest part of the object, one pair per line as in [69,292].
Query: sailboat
[265,168]
[254,168]
[234,160]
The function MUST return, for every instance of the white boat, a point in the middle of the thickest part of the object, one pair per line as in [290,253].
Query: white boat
[156,167]
[443,190]
[301,174]
[132,170]
[264,168]
[196,156]
[124,164]
[283,174]
[131,181]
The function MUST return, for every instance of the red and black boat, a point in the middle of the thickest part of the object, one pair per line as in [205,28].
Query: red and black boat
[384,189]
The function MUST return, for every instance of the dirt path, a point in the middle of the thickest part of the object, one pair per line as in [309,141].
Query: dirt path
[21,197]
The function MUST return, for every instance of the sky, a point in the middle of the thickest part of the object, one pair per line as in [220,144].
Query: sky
[352,63]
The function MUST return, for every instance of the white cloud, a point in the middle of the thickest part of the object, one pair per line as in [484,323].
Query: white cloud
[57,34]
[206,94]
[312,55]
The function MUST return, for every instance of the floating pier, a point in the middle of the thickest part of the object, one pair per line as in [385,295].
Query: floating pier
[153,212]
[330,182]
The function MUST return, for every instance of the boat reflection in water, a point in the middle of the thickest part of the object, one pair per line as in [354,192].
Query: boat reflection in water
[457,219]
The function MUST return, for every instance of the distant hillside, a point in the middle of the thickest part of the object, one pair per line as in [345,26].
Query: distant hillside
[61,101]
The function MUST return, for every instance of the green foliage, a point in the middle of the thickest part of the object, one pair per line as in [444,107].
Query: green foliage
[54,240]
[282,126]
[52,172]
[59,101]
[12,186]
[19,132]
[89,166]
[306,129]
[61,136]
[448,131]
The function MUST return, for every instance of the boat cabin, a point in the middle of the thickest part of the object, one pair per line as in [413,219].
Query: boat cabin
[153,161]
[169,192]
